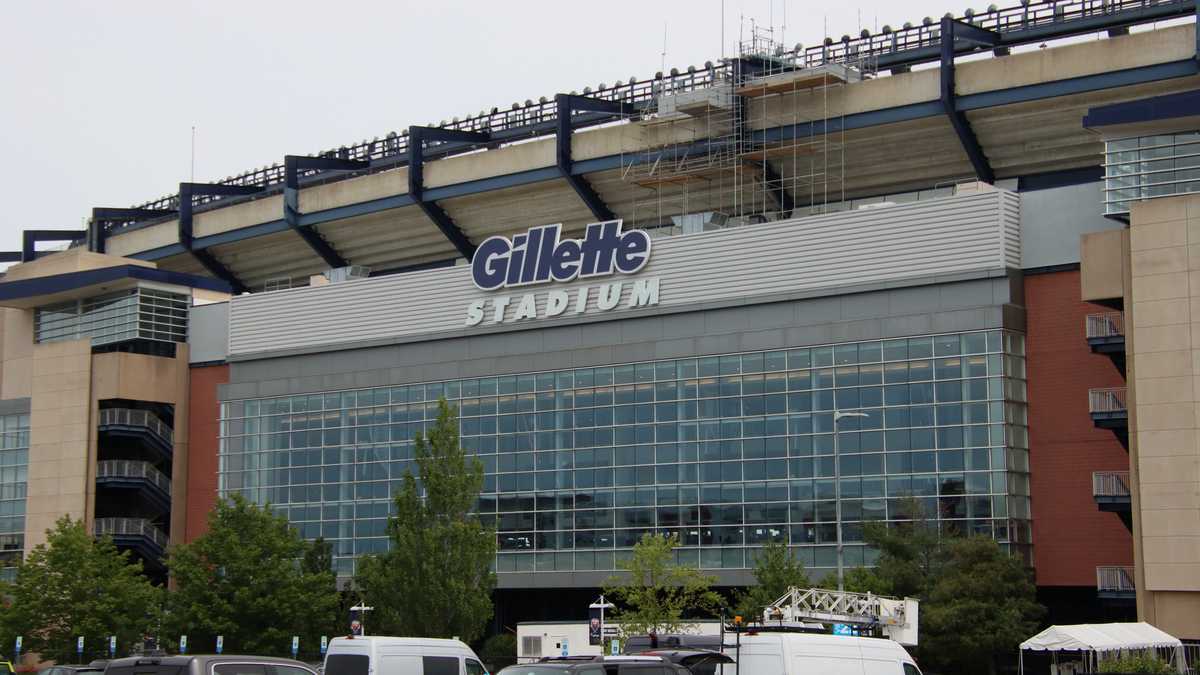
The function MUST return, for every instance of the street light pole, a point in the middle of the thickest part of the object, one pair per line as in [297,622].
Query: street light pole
[837,496]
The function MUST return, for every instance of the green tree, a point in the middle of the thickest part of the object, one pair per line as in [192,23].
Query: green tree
[775,570]
[498,651]
[76,585]
[435,580]
[980,606]
[655,593]
[244,579]
[331,621]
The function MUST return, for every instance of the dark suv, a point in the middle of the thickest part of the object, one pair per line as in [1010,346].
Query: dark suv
[599,665]
[207,665]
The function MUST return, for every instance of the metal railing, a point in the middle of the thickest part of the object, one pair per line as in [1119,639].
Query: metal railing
[1110,484]
[131,527]
[1114,579]
[129,417]
[910,44]
[1106,325]
[125,468]
[1107,400]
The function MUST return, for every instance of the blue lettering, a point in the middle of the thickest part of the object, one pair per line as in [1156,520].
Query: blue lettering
[540,255]
[489,267]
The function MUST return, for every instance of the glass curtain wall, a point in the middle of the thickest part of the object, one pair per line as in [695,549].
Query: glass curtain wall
[14,462]
[726,451]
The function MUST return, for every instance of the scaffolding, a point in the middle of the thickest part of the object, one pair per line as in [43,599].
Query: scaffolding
[744,150]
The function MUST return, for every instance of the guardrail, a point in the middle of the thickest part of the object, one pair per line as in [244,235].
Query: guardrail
[130,417]
[131,527]
[1115,579]
[1106,325]
[127,468]
[1110,484]
[910,44]
[1107,400]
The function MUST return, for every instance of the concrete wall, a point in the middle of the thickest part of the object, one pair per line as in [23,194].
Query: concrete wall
[1052,221]
[61,438]
[1163,320]
[208,332]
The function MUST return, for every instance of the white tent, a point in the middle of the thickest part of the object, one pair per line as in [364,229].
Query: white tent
[1093,640]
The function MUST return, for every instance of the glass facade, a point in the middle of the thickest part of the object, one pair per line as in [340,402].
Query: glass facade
[726,451]
[14,461]
[1150,166]
[144,313]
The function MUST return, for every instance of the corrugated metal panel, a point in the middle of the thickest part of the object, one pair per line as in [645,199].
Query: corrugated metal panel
[955,235]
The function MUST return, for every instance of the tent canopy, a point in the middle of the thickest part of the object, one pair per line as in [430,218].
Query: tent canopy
[1100,637]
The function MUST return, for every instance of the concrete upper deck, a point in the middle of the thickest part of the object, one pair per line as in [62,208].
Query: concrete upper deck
[1024,109]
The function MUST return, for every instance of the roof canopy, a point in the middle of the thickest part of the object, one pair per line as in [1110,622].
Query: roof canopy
[1100,637]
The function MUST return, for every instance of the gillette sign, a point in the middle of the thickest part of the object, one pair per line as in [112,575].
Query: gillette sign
[541,256]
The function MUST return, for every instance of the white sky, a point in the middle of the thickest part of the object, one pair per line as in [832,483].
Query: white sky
[99,98]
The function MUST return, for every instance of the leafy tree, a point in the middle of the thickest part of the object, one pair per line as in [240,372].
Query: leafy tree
[243,579]
[318,562]
[776,571]
[981,605]
[436,578]
[655,593]
[76,585]
[498,651]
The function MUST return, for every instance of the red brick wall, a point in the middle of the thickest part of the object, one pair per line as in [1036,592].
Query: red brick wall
[203,440]
[1070,535]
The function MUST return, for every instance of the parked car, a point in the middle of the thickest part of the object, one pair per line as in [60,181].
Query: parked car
[68,669]
[598,665]
[379,655]
[697,661]
[801,654]
[205,665]
[636,644]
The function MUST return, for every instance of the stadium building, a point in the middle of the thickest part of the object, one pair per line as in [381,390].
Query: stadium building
[740,302]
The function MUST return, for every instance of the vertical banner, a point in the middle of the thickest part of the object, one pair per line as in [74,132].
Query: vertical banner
[182,644]
[79,647]
[295,645]
[112,646]
[324,644]
[18,649]
[355,623]
[615,647]
[595,626]
[220,643]
[565,651]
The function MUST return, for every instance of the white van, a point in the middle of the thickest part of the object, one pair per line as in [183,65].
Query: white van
[804,653]
[378,655]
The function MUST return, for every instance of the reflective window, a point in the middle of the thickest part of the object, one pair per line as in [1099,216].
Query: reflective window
[144,313]
[727,451]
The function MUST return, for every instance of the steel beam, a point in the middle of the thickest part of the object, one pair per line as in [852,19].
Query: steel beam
[292,166]
[417,137]
[104,217]
[958,119]
[567,105]
[863,120]
[29,239]
[188,191]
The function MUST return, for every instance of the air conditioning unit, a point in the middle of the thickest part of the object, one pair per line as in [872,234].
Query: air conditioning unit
[349,273]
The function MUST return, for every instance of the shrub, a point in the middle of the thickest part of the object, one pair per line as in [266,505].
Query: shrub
[1136,663]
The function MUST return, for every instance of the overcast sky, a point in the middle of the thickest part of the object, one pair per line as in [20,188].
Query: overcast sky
[99,98]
